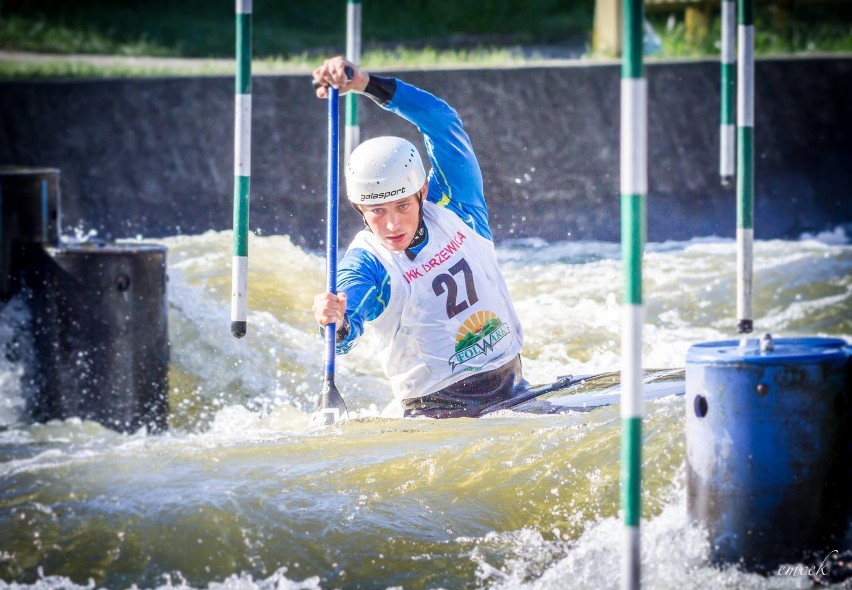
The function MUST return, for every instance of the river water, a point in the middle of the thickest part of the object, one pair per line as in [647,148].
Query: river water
[238,495]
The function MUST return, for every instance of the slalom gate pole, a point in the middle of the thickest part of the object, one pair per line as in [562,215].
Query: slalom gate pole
[745,166]
[352,131]
[727,125]
[242,169]
[634,186]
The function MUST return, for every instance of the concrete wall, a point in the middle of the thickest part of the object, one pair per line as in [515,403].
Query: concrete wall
[155,156]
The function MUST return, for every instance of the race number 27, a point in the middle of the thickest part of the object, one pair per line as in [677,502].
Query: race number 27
[447,283]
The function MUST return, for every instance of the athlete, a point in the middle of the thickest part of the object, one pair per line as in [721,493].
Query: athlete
[423,271]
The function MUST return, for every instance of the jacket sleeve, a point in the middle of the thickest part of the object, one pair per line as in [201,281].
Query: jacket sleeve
[367,286]
[455,180]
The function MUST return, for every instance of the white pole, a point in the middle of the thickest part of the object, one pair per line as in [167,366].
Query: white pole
[745,167]
[634,187]
[727,126]
[242,169]
[352,130]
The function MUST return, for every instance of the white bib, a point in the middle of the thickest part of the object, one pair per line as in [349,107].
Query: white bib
[449,314]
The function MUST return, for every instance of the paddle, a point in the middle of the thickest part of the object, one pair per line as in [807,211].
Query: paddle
[331,407]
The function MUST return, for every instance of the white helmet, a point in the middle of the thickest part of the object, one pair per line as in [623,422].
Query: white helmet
[383,169]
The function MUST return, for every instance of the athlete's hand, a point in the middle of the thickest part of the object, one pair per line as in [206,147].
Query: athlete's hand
[333,73]
[329,308]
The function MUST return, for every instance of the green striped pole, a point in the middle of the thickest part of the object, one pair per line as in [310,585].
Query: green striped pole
[634,186]
[352,131]
[745,165]
[242,169]
[727,127]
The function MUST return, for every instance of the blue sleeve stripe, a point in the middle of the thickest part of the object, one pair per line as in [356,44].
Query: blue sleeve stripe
[364,300]
[381,295]
[436,168]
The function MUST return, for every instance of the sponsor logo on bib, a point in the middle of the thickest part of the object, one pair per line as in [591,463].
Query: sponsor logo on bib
[477,337]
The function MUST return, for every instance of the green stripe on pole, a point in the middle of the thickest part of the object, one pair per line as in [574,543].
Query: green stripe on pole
[631,470]
[728,78]
[745,178]
[351,109]
[632,65]
[632,245]
[241,215]
[745,12]
[243,80]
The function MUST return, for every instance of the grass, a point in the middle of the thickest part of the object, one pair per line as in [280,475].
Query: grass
[290,36]
[107,67]
[21,70]
[811,31]
[199,28]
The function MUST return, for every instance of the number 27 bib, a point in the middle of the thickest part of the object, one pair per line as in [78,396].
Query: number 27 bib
[450,313]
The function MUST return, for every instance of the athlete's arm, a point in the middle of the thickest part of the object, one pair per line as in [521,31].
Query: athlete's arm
[363,290]
[366,284]
[455,180]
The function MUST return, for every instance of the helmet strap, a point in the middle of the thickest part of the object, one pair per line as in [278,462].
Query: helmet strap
[420,234]
[361,213]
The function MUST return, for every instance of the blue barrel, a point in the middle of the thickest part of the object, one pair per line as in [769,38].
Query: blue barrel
[768,447]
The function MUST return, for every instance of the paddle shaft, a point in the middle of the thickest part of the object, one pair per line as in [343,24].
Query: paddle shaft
[331,407]
[331,225]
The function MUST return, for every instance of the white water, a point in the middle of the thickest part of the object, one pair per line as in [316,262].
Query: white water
[236,495]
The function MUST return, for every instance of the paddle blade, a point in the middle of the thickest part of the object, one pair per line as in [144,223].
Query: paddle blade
[331,407]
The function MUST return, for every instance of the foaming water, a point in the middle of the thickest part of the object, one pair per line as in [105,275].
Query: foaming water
[237,494]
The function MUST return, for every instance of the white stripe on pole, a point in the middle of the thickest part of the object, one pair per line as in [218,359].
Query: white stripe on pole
[353,32]
[243,6]
[352,128]
[631,548]
[632,317]
[728,152]
[745,77]
[239,280]
[745,258]
[634,136]
[242,135]
[729,23]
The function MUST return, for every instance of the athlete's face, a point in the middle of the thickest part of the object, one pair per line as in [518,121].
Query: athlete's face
[396,222]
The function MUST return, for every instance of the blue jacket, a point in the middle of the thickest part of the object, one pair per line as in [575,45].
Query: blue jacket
[455,182]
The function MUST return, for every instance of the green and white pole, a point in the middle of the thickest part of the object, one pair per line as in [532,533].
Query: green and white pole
[727,126]
[745,165]
[242,169]
[352,130]
[634,186]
